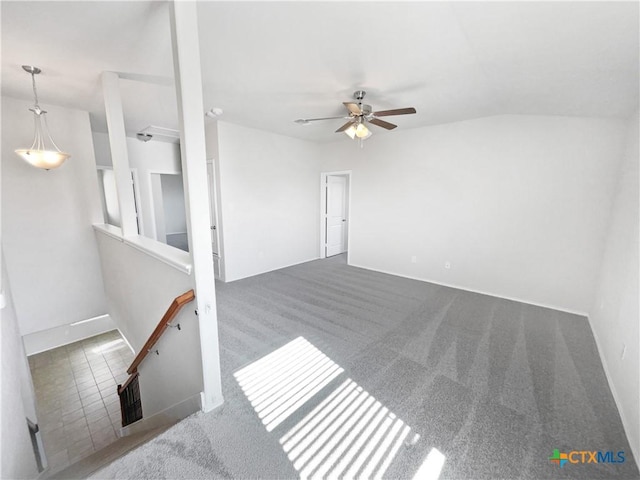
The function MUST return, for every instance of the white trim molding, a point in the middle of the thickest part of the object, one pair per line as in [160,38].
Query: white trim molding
[59,336]
[172,256]
[323,201]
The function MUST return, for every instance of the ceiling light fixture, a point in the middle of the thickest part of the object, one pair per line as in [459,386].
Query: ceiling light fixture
[362,131]
[358,130]
[214,112]
[144,137]
[39,155]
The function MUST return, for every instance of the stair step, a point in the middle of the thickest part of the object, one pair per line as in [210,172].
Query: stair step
[94,462]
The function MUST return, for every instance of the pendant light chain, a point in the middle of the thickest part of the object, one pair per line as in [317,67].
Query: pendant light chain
[35,92]
[38,140]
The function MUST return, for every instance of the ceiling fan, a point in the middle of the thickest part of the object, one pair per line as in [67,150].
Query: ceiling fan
[360,115]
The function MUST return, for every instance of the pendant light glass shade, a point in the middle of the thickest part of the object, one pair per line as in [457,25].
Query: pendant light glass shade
[43,153]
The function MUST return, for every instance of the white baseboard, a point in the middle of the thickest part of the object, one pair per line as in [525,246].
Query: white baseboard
[616,398]
[215,404]
[271,270]
[44,340]
[466,289]
[625,424]
[168,416]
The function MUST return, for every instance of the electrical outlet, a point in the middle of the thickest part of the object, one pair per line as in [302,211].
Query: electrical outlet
[414,259]
[624,351]
[447,265]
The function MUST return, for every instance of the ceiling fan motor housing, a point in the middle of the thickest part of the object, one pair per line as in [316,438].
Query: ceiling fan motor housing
[365,109]
[359,95]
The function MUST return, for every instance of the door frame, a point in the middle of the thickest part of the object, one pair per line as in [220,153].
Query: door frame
[214,202]
[323,210]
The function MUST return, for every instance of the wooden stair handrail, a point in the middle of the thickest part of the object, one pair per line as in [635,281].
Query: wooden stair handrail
[169,315]
[123,387]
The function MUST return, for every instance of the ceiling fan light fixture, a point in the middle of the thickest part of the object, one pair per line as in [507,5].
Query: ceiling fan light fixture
[358,116]
[43,153]
[351,132]
[362,131]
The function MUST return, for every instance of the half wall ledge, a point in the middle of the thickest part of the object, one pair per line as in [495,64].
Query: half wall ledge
[174,257]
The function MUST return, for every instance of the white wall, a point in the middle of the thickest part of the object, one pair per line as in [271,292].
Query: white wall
[49,246]
[518,204]
[110,205]
[158,208]
[146,158]
[140,288]
[614,313]
[55,337]
[175,217]
[269,200]
[18,459]
[211,139]
[173,201]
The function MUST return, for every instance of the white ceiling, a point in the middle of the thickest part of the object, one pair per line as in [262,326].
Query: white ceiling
[268,63]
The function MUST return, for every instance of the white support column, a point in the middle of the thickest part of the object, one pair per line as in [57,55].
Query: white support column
[188,78]
[119,155]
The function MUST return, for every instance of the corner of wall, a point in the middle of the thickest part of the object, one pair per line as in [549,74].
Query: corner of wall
[614,314]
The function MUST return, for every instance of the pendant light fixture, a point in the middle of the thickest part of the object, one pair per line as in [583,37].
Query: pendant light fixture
[44,153]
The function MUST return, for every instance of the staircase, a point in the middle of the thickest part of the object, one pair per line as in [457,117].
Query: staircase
[94,462]
[135,431]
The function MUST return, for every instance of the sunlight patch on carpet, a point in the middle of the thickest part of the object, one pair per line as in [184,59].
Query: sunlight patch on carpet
[431,467]
[349,434]
[281,382]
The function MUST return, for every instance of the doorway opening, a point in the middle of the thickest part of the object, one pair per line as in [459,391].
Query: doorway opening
[335,210]
[170,218]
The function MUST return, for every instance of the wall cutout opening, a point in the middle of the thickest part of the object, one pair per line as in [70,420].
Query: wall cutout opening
[169,210]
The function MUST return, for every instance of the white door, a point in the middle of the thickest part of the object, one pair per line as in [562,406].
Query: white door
[336,215]
[212,210]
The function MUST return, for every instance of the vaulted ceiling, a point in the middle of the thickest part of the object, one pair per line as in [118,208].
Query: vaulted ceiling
[268,63]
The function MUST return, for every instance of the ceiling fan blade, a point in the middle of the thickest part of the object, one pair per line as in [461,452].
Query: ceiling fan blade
[352,107]
[382,123]
[345,126]
[397,111]
[304,121]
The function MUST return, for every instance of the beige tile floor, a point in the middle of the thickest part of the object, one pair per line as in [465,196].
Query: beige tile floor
[77,403]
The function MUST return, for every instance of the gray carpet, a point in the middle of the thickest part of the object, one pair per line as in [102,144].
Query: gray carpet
[331,371]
